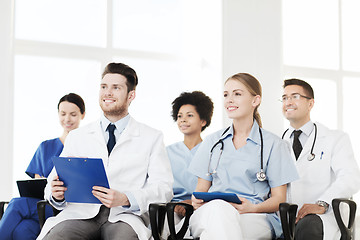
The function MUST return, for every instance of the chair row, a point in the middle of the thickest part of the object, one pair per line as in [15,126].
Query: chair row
[158,211]
[287,216]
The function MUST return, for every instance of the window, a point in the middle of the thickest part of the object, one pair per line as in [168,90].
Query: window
[68,51]
[321,46]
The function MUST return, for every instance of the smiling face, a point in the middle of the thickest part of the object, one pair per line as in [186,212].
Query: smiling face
[297,111]
[239,103]
[113,96]
[69,115]
[188,120]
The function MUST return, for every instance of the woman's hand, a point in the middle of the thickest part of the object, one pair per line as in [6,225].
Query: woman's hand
[57,189]
[202,186]
[196,202]
[110,197]
[245,206]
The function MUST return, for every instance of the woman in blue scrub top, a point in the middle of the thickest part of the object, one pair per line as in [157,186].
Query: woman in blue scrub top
[235,170]
[20,220]
[192,111]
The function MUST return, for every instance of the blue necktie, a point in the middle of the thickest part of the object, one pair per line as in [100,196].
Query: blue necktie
[111,143]
[297,144]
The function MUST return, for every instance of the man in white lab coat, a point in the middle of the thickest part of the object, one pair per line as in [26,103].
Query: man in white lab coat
[325,162]
[135,161]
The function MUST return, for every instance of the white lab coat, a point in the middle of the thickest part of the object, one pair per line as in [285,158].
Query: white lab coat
[137,164]
[333,173]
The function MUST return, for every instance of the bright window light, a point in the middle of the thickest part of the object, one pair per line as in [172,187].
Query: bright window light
[153,26]
[310,32]
[80,22]
[351,36]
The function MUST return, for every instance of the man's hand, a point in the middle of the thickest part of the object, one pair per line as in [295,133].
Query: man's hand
[180,210]
[309,209]
[109,197]
[57,189]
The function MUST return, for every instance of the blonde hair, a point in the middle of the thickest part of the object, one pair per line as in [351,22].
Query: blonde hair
[253,86]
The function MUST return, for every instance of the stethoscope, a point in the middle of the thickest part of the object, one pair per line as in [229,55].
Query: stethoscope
[261,176]
[312,154]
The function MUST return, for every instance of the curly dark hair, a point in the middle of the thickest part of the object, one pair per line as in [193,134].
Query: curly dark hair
[202,103]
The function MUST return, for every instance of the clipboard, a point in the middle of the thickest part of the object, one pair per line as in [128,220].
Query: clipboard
[79,176]
[208,196]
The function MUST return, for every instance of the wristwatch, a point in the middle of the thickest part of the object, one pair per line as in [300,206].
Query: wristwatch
[323,204]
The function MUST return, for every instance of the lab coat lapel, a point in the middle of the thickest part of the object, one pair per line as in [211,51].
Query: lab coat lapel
[130,131]
[96,132]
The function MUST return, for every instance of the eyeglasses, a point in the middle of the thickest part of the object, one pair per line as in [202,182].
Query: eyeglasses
[295,96]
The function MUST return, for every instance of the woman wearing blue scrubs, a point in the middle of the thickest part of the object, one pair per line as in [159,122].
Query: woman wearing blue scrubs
[20,220]
[238,169]
[192,111]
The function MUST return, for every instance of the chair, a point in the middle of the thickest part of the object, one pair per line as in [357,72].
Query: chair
[41,211]
[157,213]
[347,232]
[288,217]
[2,208]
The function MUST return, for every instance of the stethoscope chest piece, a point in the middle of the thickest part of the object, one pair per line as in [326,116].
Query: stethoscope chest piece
[311,157]
[261,176]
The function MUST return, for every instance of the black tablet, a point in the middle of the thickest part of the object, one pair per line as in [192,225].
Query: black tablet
[208,196]
[33,188]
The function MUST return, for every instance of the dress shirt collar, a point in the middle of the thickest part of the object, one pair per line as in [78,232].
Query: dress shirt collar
[120,124]
[307,129]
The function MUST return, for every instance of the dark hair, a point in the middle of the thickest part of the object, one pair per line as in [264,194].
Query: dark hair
[253,86]
[75,99]
[202,103]
[126,71]
[307,88]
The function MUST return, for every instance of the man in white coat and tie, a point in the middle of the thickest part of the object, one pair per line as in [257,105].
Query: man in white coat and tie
[325,163]
[135,161]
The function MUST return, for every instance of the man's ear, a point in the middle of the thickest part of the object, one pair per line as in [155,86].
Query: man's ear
[131,95]
[311,103]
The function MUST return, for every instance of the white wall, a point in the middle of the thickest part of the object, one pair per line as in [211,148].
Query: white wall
[252,44]
[6,97]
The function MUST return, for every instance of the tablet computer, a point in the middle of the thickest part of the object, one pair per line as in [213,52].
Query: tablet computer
[33,188]
[208,196]
[79,176]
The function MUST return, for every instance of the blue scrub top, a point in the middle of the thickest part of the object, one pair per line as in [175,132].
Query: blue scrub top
[236,172]
[184,182]
[42,163]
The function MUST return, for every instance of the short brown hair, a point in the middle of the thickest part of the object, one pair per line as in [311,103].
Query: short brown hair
[126,71]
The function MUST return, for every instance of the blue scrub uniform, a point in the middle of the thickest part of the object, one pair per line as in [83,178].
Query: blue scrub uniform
[237,168]
[184,182]
[20,220]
